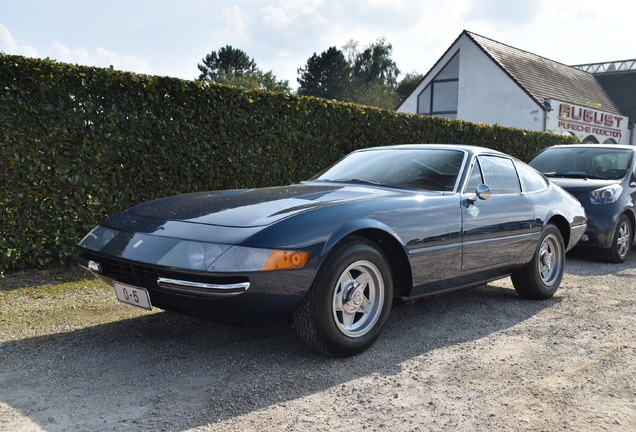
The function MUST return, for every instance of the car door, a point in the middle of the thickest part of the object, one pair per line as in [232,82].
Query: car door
[496,230]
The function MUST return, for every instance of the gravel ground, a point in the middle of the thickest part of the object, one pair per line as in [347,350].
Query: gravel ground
[476,360]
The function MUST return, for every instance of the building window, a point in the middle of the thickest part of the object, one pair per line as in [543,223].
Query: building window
[440,97]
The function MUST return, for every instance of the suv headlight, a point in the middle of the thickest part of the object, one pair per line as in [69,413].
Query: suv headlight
[606,195]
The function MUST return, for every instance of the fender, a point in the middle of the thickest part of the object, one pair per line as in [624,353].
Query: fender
[358,225]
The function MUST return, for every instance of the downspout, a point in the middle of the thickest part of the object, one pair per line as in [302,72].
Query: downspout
[546,109]
[630,126]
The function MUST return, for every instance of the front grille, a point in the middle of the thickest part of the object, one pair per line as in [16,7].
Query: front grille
[131,273]
[145,275]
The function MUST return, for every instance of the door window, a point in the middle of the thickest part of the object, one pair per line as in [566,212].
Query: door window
[500,175]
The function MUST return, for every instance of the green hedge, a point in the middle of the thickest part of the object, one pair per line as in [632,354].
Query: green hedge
[80,143]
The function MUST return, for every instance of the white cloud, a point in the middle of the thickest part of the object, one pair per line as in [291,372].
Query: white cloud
[8,45]
[505,12]
[62,53]
[300,7]
[99,57]
[236,22]
[274,17]
[124,62]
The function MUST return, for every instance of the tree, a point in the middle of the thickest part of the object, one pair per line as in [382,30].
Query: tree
[234,67]
[407,85]
[368,77]
[373,94]
[374,64]
[326,75]
[228,61]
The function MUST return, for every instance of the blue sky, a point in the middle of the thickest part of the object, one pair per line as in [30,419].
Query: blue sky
[161,37]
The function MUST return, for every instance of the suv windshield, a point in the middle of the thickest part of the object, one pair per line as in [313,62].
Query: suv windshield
[430,169]
[580,162]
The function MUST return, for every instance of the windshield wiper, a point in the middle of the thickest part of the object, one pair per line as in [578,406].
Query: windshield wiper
[579,176]
[360,180]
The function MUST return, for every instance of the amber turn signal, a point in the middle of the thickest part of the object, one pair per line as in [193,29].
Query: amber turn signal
[280,259]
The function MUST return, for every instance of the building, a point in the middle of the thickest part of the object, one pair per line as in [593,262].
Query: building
[481,80]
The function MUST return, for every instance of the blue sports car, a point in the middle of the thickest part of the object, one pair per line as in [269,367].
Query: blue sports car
[383,225]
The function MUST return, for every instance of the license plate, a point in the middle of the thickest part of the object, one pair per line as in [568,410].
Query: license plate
[133,296]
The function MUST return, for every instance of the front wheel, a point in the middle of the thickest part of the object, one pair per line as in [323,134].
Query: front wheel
[541,277]
[622,241]
[346,307]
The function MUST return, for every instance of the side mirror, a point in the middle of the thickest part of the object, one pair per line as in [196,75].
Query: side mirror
[482,192]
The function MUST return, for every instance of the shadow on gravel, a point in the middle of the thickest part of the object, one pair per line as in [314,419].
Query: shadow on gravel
[170,372]
[598,264]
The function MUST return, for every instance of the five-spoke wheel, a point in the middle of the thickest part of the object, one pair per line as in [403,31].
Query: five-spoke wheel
[347,305]
[541,277]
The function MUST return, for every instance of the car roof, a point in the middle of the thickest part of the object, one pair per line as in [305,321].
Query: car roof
[611,146]
[463,147]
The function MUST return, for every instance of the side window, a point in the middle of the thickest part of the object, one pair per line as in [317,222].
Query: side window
[475,179]
[500,174]
[531,180]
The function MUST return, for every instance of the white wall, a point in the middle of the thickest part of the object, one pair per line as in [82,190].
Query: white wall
[486,93]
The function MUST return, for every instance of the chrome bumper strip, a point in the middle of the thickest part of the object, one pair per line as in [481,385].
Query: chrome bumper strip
[203,289]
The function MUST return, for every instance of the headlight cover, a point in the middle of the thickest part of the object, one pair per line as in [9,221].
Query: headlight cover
[193,255]
[606,195]
[240,258]
[190,254]
[98,238]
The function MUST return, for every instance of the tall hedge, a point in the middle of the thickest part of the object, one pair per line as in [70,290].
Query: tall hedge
[80,143]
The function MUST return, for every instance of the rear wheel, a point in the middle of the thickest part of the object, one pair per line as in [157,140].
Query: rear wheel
[622,241]
[541,277]
[347,305]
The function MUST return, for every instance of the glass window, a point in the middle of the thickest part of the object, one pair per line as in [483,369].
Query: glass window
[424,101]
[475,179]
[531,180]
[450,71]
[440,97]
[445,96]
[500,174]
[430,169]
[583,162]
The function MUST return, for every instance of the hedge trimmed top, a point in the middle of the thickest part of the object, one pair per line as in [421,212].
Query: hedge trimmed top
[79,143]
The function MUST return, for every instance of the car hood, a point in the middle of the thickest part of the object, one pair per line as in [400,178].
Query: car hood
[575,185]
[253,207]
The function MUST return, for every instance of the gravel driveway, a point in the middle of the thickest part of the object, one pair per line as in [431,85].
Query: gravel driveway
[476,360]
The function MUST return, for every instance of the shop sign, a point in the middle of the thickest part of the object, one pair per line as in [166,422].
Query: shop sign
[589,121]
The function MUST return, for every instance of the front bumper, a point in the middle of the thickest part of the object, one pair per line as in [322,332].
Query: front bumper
[601,224]
[230,298]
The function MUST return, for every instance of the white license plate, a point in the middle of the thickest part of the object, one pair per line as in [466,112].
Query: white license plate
[133,296]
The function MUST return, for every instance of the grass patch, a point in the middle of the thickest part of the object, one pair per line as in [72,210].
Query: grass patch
[40,303]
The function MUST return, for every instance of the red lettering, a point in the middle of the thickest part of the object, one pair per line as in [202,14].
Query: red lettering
[564,110]
[598,120]
[618,121]
[588,116]
[573,113]
[609,120]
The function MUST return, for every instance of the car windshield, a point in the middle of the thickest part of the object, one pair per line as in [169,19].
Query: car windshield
[430,169]
[580,162]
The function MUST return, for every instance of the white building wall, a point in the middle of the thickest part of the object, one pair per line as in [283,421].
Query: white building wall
[486,93]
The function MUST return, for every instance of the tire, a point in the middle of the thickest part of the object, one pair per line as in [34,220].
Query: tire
[541,277]
[622,241]
[349,301]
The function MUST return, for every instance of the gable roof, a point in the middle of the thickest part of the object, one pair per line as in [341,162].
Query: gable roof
[621,87]
[542,78]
